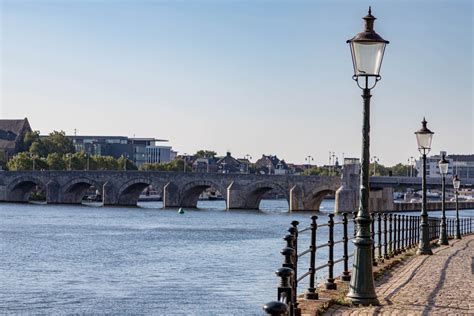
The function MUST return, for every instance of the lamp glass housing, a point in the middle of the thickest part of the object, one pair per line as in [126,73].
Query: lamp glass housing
[424,141]
[456,183]
[443,167]
[367,57]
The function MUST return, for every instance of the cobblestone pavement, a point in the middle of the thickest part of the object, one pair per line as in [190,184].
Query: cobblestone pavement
[441,284]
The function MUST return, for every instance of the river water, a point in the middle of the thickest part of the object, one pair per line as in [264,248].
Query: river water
[146,260]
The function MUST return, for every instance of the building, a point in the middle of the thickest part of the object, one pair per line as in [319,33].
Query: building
[229,164]
[138,150]
[462,165]
[270,164]
[12,133]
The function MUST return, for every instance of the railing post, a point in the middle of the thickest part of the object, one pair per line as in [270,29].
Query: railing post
[345,274]
[330,285]
[403,233]
[385,241]
[372,235]
[399,234]
[285,289]
[390,235]
[311,294]
[409,226]
[395,228]
[354,216]
[379,244]
[294,230]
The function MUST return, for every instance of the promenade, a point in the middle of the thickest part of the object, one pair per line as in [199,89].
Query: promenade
[441,284]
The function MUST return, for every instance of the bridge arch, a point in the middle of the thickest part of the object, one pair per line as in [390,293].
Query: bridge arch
[74,190]
[19,190]
[314,199]
[190,192]
[130,191]
[255,193]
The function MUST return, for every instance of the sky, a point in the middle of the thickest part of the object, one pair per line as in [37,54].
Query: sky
[249,77]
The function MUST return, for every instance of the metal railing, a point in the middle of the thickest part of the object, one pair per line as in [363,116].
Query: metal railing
[392,234]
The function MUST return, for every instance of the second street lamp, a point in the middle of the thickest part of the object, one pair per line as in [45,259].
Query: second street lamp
[443,169]
[367,49]
[457,185]
[424,137]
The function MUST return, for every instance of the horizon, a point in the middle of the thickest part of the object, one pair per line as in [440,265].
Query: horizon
[249,78]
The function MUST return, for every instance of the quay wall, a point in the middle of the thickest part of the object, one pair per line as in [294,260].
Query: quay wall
[431,206]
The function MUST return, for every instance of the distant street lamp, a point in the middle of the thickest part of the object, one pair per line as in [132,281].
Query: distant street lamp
[70,161]
[443,170]
[184,161]
[411,163]
[125,157]
[309,159]
[424,137]
[248,157]
[457,185]
[375,159]
[367,49]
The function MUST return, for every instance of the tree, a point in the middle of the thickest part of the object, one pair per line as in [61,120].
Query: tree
[56,142]
[175,165]
[29,139]
[25,161]
[56,162]
[322,171]
[205,154]
[128,163]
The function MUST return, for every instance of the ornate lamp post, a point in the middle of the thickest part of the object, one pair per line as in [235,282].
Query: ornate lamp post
[424,137]
[457,185]
[443,169]
[367,50]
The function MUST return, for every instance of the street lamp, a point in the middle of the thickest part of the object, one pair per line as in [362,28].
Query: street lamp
[424,137]
[411,163]
[125,157]
[367,49]
[457,185]
[443,170]
[309,159]
[375,159]
[248,157]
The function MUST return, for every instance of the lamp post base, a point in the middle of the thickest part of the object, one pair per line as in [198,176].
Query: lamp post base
[424,251]
[443,242]
[364,301]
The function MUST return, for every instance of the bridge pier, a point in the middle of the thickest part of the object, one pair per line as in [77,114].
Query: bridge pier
[296,202]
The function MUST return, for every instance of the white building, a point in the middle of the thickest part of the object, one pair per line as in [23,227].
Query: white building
[462,165]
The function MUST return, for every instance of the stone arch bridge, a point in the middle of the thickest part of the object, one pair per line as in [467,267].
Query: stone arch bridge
[178,189]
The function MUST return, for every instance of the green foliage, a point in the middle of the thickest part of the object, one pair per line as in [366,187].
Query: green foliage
[322,171]
[76,161]
[27,161]
[206,154]
[56,142]
[175,165]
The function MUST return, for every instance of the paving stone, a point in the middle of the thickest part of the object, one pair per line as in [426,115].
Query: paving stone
[441,284]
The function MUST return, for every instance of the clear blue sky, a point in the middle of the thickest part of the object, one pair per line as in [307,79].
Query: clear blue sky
[251,77]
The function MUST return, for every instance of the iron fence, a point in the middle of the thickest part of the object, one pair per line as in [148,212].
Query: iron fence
[392,234]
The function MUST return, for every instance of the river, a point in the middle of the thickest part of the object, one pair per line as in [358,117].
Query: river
[146,260]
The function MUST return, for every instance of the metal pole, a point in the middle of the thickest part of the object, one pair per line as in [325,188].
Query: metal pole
[362,288]
[311,294]
[379,236]
[372,235]
[458,233]
[424,242]
[345,274]
[330,285]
